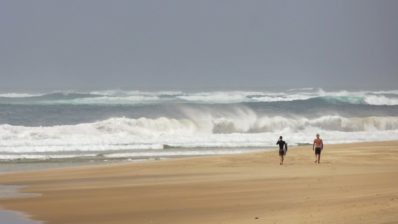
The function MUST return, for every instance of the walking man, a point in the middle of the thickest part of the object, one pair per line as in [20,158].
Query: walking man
[282,149]
[317,147]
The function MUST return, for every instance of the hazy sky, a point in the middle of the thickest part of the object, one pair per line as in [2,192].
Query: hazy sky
[202,44]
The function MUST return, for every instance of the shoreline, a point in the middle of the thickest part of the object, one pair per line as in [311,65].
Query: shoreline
[11,166]
[33,165]
[243,188]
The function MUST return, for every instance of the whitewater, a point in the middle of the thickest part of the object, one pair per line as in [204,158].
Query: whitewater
[119,124]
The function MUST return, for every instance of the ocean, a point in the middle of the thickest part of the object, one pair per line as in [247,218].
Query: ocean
[135,125]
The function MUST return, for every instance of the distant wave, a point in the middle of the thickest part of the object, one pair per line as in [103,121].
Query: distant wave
[367,99]
[118,97]
[381,100]
[19,95]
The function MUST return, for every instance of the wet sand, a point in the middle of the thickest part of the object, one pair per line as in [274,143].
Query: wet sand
[355,183]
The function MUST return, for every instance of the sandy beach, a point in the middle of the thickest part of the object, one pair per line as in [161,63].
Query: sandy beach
[355,183]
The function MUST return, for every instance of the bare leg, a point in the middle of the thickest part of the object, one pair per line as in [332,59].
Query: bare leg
[319,158]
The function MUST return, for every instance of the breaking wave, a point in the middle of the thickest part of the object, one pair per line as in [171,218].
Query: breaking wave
[117,134]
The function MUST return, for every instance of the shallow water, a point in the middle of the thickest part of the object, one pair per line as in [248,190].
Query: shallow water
[11,217]
[14,217]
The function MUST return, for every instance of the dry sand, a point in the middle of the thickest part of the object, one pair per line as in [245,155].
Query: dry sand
[355,183]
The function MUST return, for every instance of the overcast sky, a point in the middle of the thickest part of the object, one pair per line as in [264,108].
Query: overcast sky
[202,44]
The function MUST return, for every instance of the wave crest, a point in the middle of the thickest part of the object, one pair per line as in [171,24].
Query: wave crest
[227,97]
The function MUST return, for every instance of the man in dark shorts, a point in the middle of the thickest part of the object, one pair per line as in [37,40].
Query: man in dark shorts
[282,149]
[317,147]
